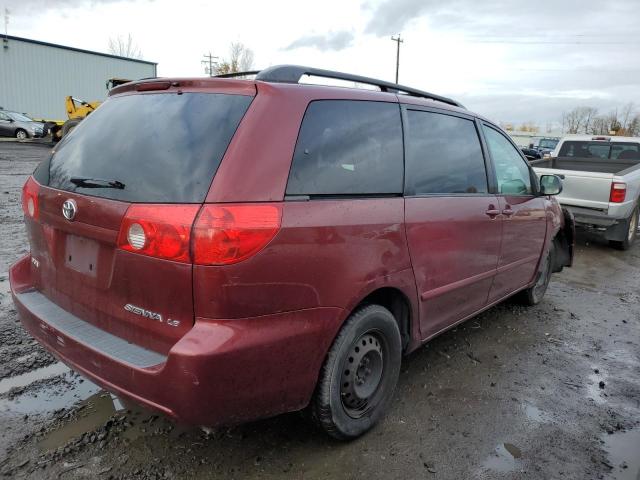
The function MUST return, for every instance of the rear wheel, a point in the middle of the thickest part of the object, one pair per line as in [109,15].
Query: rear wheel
[631,234]
[360,373]
[70,125]
[533,295]
[21,134]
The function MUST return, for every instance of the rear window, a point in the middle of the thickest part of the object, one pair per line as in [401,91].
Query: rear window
[348,147]
[154,148]
[584,149]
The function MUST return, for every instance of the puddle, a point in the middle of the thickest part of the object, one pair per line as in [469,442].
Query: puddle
[28,378]
[505,458]
[50,397]
[623,450]
[534,414]
[95,411]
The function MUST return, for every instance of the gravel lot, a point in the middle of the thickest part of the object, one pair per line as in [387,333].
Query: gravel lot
[529,393]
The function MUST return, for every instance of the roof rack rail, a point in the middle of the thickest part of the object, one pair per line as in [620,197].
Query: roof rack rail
[237,74]
[293,74]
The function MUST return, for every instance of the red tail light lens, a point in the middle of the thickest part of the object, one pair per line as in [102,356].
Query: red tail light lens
[618,192]
[162,231]
[225,234]
[30,205]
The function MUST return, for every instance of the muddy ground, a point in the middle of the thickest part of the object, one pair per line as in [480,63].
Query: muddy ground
[534,393]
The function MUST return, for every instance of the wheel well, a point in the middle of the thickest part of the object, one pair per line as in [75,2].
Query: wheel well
[397,303]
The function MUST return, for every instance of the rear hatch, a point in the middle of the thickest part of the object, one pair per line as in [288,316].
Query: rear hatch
[141,164]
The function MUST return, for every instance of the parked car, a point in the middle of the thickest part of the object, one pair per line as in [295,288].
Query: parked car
[601,178]
[20,126]
[544,145]
[531,153]
[262,246]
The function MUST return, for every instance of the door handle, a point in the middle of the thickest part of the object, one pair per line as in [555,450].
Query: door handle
[492,211]
[507,211]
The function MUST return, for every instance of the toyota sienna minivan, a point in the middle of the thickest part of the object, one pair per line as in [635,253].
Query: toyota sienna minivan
[224,249]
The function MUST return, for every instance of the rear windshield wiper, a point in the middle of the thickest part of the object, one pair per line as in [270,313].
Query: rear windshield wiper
[96,183]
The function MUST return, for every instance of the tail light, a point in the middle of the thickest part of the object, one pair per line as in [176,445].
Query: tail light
[225,234]
[618,192]
[221,235]
[162,231]
[30,205]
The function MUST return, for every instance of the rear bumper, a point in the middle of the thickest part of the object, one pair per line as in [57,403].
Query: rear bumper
[220,372]
[606,225]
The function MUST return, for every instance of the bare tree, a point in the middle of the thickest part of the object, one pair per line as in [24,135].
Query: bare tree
[586,120]
[240,60]
[124,47]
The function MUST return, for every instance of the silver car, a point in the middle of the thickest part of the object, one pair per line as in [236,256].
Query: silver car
[18,125]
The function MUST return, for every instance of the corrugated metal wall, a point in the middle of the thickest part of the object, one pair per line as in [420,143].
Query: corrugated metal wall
[36,78]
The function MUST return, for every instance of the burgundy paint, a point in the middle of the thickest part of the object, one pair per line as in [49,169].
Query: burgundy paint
[253,335]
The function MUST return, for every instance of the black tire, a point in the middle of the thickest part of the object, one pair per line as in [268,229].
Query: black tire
[21,134]
[630,234]
[69,125]
[359,375]
[533,295]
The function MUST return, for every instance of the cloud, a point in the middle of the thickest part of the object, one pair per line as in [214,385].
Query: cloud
[329,41]
[33,7]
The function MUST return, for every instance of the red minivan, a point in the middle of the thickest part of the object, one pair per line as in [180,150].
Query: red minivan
[225,249]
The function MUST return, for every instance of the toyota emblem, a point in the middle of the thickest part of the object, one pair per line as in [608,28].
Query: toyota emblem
[69,209]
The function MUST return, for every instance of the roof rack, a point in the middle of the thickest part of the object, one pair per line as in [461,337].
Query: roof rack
[293,74]
[238,74]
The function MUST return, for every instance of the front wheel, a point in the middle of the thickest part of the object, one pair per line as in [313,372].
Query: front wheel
[21,134]
[632,232]
[533,295]
[359,375]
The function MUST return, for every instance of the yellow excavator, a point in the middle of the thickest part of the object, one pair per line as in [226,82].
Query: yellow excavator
[77,110]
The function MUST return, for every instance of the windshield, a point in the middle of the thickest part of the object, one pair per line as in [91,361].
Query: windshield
[155,148]
[18,117]
[548,143]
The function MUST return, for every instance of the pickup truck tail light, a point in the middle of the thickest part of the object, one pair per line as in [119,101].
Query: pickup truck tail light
[618,192]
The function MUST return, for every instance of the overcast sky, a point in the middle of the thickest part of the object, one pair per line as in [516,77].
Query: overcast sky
[510,60]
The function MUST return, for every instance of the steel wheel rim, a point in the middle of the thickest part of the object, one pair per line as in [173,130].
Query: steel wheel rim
[362,374]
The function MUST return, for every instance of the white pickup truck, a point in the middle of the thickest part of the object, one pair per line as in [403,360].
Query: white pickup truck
[601,183]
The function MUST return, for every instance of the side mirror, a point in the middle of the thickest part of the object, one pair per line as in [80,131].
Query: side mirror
[531,145]
[11,120]
[550,185]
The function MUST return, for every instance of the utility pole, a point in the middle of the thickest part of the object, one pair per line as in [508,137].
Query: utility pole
[5,41]
[398,40]
[209,59]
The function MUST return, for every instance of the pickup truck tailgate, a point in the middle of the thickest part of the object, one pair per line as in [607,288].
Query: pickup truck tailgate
[582,189]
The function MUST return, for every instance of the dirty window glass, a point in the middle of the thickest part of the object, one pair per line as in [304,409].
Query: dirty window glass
[581,149]
[513,174]
[625,151]
[155,148]
[348,148]
[443,155]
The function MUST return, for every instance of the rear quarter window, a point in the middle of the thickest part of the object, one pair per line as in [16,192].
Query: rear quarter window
[348,147]
[159,148]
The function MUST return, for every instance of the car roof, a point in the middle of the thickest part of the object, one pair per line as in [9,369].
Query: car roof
[599,138]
